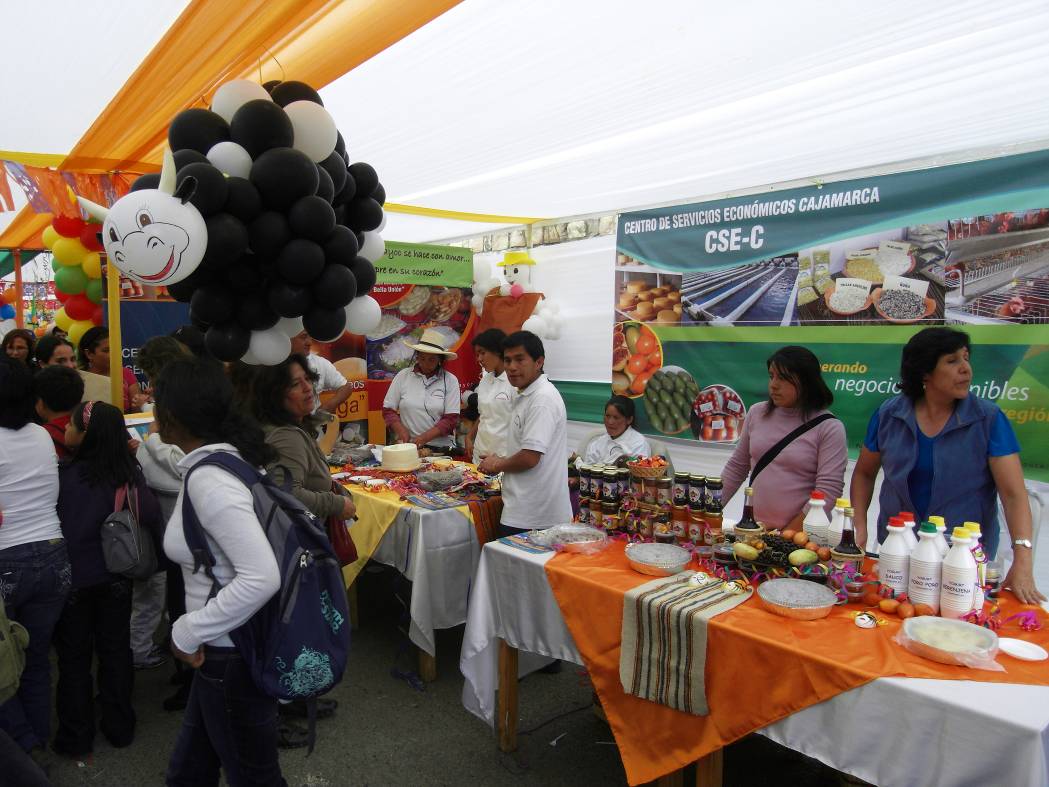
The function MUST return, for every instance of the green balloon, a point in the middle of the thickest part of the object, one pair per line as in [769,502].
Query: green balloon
[93,290]
[70,280]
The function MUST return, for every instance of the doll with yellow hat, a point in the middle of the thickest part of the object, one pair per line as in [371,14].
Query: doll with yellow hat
[514,304]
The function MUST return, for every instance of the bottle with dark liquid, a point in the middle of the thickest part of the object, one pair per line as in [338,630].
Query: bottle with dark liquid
[846,552]
[748,531]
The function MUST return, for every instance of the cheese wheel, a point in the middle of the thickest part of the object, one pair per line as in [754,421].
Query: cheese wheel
[674,296]
[645,308]
[668,315]
[636,286]
[646,296]
[662,303]
[627,301]
[677,309]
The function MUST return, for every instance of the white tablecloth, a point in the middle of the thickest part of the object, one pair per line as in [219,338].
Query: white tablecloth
[438,552]
[892,731]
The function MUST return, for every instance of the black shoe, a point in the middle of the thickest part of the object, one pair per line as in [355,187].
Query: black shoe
[299,709]
[553,668]
[291,736]
[178,700]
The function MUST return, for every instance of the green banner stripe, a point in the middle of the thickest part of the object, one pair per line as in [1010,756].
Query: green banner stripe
[864,334]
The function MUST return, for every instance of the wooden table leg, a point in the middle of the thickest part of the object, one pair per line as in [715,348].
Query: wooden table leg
[709,769]
[506,710]
[351,602]
[427,667]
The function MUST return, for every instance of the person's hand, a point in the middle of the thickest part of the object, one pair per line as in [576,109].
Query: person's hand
[133,444]
[349,510]
[139,399]
[490,465]
[468,448]
[797,523]
[419,442]
[192,659]
[402,434]
[1020,580]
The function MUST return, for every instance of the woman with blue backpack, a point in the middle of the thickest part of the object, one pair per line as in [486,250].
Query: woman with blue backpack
[102,477]
[229,722]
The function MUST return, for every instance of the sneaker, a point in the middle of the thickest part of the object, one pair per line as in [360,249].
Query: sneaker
[291,736]
[151,660]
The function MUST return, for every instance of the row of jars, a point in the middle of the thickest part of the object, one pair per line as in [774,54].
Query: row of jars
[607,483]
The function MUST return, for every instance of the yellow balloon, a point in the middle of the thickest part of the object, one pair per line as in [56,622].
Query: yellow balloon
[49,236]
[93,265]
[63,320]
[68,251]
[77,329]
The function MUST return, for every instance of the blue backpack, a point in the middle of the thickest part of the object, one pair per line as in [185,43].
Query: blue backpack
[296,645]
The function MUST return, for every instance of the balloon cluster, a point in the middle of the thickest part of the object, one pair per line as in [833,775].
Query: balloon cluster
[290,227]
[10,297]
[75,247]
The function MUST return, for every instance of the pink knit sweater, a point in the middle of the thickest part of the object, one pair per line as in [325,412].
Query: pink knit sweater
[816,460]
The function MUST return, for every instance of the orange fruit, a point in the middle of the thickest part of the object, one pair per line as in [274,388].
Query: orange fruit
[638,386]
[646,343]
[655,360]
[888,605]
[637,364]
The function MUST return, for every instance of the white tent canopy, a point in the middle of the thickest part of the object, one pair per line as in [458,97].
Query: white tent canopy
[548,109]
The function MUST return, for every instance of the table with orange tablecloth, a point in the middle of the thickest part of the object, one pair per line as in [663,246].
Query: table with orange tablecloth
[821,687]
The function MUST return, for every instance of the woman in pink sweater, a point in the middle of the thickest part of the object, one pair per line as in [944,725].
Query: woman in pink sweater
[813,460]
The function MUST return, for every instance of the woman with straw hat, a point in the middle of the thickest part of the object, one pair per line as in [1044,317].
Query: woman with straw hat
[422,404]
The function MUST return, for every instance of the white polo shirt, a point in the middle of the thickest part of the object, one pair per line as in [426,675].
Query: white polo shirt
[538,497]
[495,397]
[330,378]
[421,401]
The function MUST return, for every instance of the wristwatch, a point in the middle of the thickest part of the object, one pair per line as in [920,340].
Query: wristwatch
[1023,542]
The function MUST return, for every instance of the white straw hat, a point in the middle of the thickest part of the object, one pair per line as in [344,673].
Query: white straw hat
[432,342]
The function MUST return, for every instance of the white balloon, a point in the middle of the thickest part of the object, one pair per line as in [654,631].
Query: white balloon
[363,315]
[553,330]
[478,302]
[536,325]
[289,326]
[233,95]
[231,158]
[551,307]
[249,359]
[382,224]
[270,347]
[504,289]
[315,131]
[373,247]
[495,283]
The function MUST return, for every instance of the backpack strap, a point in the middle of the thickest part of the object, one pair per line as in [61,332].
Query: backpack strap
[119,497]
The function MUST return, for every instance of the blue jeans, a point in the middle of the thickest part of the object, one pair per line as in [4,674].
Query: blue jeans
[34,581]
[228,723]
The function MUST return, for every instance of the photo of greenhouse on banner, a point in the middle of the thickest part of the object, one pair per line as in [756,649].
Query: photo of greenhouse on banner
[850,269]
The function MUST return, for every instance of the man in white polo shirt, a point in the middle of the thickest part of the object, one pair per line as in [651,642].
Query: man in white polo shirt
[535,469]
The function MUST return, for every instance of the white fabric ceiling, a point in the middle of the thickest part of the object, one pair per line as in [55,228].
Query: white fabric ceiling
[552,109]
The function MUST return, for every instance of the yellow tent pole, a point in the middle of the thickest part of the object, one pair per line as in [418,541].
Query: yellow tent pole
[116,354]
[16,257]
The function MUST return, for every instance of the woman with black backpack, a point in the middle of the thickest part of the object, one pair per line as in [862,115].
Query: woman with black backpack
[102,477]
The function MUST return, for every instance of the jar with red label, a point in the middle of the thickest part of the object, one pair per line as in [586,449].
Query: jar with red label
[680,489]
[584,481]
[637,488]
[610,487]
[696,526]
[664,491]
[679,523]
[623,478]
[610,514]
[697,492]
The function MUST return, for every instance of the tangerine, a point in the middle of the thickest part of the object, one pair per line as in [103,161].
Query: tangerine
[646,343]
[640,381]
[637,364]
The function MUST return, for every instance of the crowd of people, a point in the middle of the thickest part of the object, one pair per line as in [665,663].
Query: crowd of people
[68,462]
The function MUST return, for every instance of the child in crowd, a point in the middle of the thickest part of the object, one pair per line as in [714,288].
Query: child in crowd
[58,390]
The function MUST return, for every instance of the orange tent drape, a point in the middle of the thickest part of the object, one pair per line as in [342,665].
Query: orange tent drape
[213,41]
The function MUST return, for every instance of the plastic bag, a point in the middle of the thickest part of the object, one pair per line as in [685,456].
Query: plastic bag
[950,642]
[571,538]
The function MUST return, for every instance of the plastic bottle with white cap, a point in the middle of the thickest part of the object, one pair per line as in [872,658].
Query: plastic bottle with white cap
[837,522]
[894,558]
[958,579]
[926,567]
[976,547]
[941,529]
[816,523]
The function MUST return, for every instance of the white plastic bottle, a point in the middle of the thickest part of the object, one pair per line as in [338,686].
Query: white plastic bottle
[909,526]
[894,559]
[926,566]
[837,522]
[958,579]
[981,563]
[941,529]
[816,523]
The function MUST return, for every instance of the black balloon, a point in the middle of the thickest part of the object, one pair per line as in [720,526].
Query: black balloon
[300,261]
[255,313]
[242,200]
[379,195]
[182,291]
[261,125]
[366,177]
[340,215]
[243,275]
[198,129]
[312,218]
[323,324]
[341,247]
[289,300]
[268,233]
[211,191]
[148,181]
[336,169]
[364,272]
[340,144]
[188,156]
[347,192]
[284,175]
[227,342]
[363,213]
[325,188]
[227,240]
[287,92]
[212,304]
[268,86]
[335,287]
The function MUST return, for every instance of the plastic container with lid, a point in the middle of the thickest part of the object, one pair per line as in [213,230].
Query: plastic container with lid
[816,522]
[958,579]
[837,521]
[894,558]
[941,529]
[926,568]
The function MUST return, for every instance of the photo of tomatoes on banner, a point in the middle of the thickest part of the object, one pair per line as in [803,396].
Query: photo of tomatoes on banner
[668,399]
[717,415]
[636,356]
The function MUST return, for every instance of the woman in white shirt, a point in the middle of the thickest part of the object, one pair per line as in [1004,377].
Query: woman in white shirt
[620,438]
[228,722]
[422,404]
[494,397]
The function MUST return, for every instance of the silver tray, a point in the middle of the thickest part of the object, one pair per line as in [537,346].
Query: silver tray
[659,560]
[797,598]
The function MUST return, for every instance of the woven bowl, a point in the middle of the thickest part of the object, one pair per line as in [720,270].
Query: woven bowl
[646,472]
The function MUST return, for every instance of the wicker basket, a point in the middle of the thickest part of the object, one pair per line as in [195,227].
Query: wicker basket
[646,472]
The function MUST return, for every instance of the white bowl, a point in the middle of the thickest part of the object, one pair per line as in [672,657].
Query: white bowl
[658,560]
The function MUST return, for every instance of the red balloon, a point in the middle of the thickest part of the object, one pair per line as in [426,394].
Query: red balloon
[62,297]
[68,226]
[89,237]
[79,307]
[96,315]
